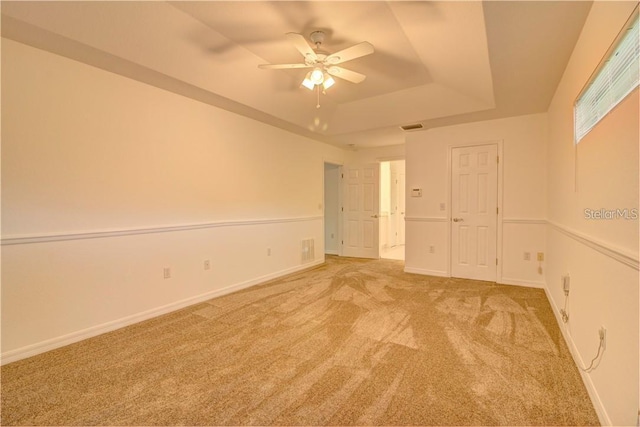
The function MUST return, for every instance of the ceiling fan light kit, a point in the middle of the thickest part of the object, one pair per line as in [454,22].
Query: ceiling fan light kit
[317,76]
[328,82]
[307,82]
[323,64]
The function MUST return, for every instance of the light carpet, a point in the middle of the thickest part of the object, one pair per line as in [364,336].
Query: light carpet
[352,342]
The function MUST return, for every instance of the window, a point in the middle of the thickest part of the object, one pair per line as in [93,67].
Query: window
[613,80]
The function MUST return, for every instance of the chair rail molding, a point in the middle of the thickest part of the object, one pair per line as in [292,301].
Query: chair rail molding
[618,254]
[58,237]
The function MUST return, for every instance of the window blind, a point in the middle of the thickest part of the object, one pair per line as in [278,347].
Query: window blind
[615,79]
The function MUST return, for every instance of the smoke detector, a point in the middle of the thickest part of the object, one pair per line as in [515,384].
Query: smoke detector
[414,126]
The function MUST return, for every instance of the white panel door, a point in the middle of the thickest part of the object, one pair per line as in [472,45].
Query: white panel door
[401,207]
[361,217]
[474,215]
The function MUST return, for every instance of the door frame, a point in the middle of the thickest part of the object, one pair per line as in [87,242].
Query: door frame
[402,191]
[499,143]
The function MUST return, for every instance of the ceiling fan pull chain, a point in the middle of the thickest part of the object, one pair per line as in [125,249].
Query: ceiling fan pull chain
[318,96]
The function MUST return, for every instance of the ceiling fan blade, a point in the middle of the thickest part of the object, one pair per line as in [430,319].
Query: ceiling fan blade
[353,52]
[345,74]
[300,43]
[282,66]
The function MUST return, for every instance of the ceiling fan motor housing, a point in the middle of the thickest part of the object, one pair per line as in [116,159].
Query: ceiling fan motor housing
[317,37]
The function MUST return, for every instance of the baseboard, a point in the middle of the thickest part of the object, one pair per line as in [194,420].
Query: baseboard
[519,282]
[586,379]
[53,343]
[426,272]
[331,252]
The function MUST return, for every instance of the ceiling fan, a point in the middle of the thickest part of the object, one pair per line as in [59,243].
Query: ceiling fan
[324,64]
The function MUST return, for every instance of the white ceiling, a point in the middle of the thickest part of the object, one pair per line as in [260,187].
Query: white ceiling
[435,63]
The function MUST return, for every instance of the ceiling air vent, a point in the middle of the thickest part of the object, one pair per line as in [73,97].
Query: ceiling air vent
[414,126]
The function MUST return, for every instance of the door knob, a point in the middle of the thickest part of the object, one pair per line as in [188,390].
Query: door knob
[374,216]
[458,219]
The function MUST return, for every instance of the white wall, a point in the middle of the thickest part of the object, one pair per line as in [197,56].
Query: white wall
[375,154]
[600,256]
[106,181]
[522,191]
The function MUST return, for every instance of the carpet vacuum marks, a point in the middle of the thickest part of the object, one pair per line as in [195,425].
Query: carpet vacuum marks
[351,342]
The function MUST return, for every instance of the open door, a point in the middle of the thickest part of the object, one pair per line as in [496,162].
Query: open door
[361,203]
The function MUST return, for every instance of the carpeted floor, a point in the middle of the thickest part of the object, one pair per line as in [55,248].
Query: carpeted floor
[350,342]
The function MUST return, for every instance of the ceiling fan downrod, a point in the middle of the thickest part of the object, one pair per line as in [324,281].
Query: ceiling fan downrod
[317,37]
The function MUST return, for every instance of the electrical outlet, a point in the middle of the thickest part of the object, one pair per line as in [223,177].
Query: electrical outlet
[207,264]
[167,273]
[540,256]
[527,256]
[432,249]
[602,333]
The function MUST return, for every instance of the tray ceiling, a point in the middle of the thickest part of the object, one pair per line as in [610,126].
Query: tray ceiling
[436,63]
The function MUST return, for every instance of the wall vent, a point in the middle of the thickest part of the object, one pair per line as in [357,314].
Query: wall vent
[308,252]
[414,126]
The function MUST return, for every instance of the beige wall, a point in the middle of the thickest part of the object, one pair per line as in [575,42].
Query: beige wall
[601,256]
[130,179]
[522,140]
[376,154]
[87,149]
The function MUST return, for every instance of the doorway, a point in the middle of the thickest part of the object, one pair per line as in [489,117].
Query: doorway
[332,208]
[392,209]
